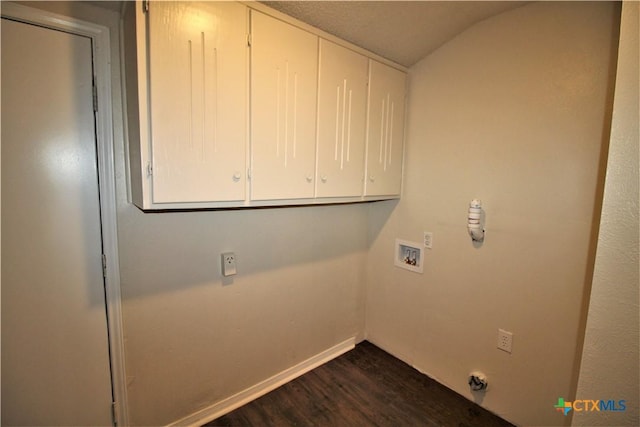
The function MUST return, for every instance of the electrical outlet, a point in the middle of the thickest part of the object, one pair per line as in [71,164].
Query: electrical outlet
[505,340]
[428,239]
[228,264]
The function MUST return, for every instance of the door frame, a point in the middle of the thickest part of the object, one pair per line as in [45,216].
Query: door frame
[101,50]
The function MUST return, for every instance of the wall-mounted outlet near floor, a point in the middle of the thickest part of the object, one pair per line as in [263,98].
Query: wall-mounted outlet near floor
[228,264]
[505,340]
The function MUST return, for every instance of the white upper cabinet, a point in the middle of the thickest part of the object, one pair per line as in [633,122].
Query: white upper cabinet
[385,130]
[198,92]
[284,77]
[232,104]
[192,69]
[342,110]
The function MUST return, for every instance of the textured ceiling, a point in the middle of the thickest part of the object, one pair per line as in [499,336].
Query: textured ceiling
[402,31]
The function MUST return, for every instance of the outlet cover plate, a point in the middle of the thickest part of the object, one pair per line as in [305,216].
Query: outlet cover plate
[505,340]
[228,264]
[428,239]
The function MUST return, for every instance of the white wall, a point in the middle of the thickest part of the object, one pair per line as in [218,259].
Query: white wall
[512,111]
[609,368]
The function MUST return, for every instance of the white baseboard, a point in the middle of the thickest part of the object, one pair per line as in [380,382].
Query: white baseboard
[227,405]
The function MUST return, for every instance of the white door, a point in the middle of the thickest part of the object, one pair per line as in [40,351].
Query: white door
[385,133]
[55,355]
[198,67]
[284,80]
[342,114]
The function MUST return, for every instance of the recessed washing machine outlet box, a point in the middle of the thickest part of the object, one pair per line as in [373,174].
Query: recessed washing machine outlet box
[409,255]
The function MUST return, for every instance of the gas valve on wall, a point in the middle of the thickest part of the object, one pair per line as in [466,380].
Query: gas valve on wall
[478,381]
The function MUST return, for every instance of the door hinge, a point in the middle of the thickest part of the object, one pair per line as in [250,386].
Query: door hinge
[149,169]
[249,174]
[249,40]
[95,98]
[104,265]
[145,6]
[114,413]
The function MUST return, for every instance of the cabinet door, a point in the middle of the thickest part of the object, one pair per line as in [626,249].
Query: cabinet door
[198,95]
[342,110]
[385,130]
[284,70]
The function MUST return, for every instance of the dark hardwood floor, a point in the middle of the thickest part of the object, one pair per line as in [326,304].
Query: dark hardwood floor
[364,387]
